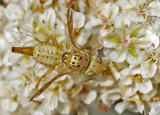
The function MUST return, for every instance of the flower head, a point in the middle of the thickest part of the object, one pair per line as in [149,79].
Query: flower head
[124,33]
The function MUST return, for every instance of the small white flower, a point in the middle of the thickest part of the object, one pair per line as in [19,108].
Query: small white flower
[13,12]
[150,64]
[155,109]
[131,82]
[104,23]
[154,8]
[148,69]
[9,105]
[88,97]
[128,44]
[145,86]
[78,23]
[91,25]
[56,97]
[87,93]
[83,37]
[127,104]
[47,23]
[110,96]
[78,20]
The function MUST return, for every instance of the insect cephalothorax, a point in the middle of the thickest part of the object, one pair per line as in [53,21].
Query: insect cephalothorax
[53,55]
[76,60]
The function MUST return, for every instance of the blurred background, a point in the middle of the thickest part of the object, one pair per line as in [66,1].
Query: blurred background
[93,109]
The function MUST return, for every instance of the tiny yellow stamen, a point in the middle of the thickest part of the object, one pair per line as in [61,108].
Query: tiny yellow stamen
[90,73]
[155,99]
[99,11]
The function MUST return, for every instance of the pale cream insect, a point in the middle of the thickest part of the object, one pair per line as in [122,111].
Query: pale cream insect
[53,55]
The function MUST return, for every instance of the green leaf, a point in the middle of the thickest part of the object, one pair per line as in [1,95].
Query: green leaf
[57,35]
[135,32]
[133,52]
[113,38]
[38,27]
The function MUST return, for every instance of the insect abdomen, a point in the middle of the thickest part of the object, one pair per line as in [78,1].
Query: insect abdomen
[47,54]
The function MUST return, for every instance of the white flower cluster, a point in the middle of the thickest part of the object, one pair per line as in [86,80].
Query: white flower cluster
[127,30]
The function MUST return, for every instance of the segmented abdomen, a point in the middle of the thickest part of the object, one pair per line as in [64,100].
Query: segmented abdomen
[47,54]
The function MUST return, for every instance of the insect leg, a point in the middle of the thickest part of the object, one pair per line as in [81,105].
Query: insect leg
[38,40]
[70,26]
[38,102]
[47,72]
[51,37]
[48,84]
[98,47]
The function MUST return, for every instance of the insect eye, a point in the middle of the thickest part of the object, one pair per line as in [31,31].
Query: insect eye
[73,62]
[74,57]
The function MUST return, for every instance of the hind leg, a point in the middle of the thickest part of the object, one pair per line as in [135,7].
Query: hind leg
[41,90]
[44,75]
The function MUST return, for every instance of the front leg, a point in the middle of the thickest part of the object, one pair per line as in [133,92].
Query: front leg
[49,83]
[71,29]
[50,37]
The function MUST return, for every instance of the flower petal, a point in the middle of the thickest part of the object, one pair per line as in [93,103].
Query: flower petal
[134,60]
[119,55]
[9,105]
[111,95]
[128,91]
[120,107]
[83,37]
[78,20]
[111,40]
[65,81]
[148,69]
[89,97]
[13,12]
[64,108]
[52,101]
[121,20]
[127,80]
[145,86]
[147,41]
[107,81]
[49,17]
[93,25]
[109,10]
[38,113]
[154,8]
